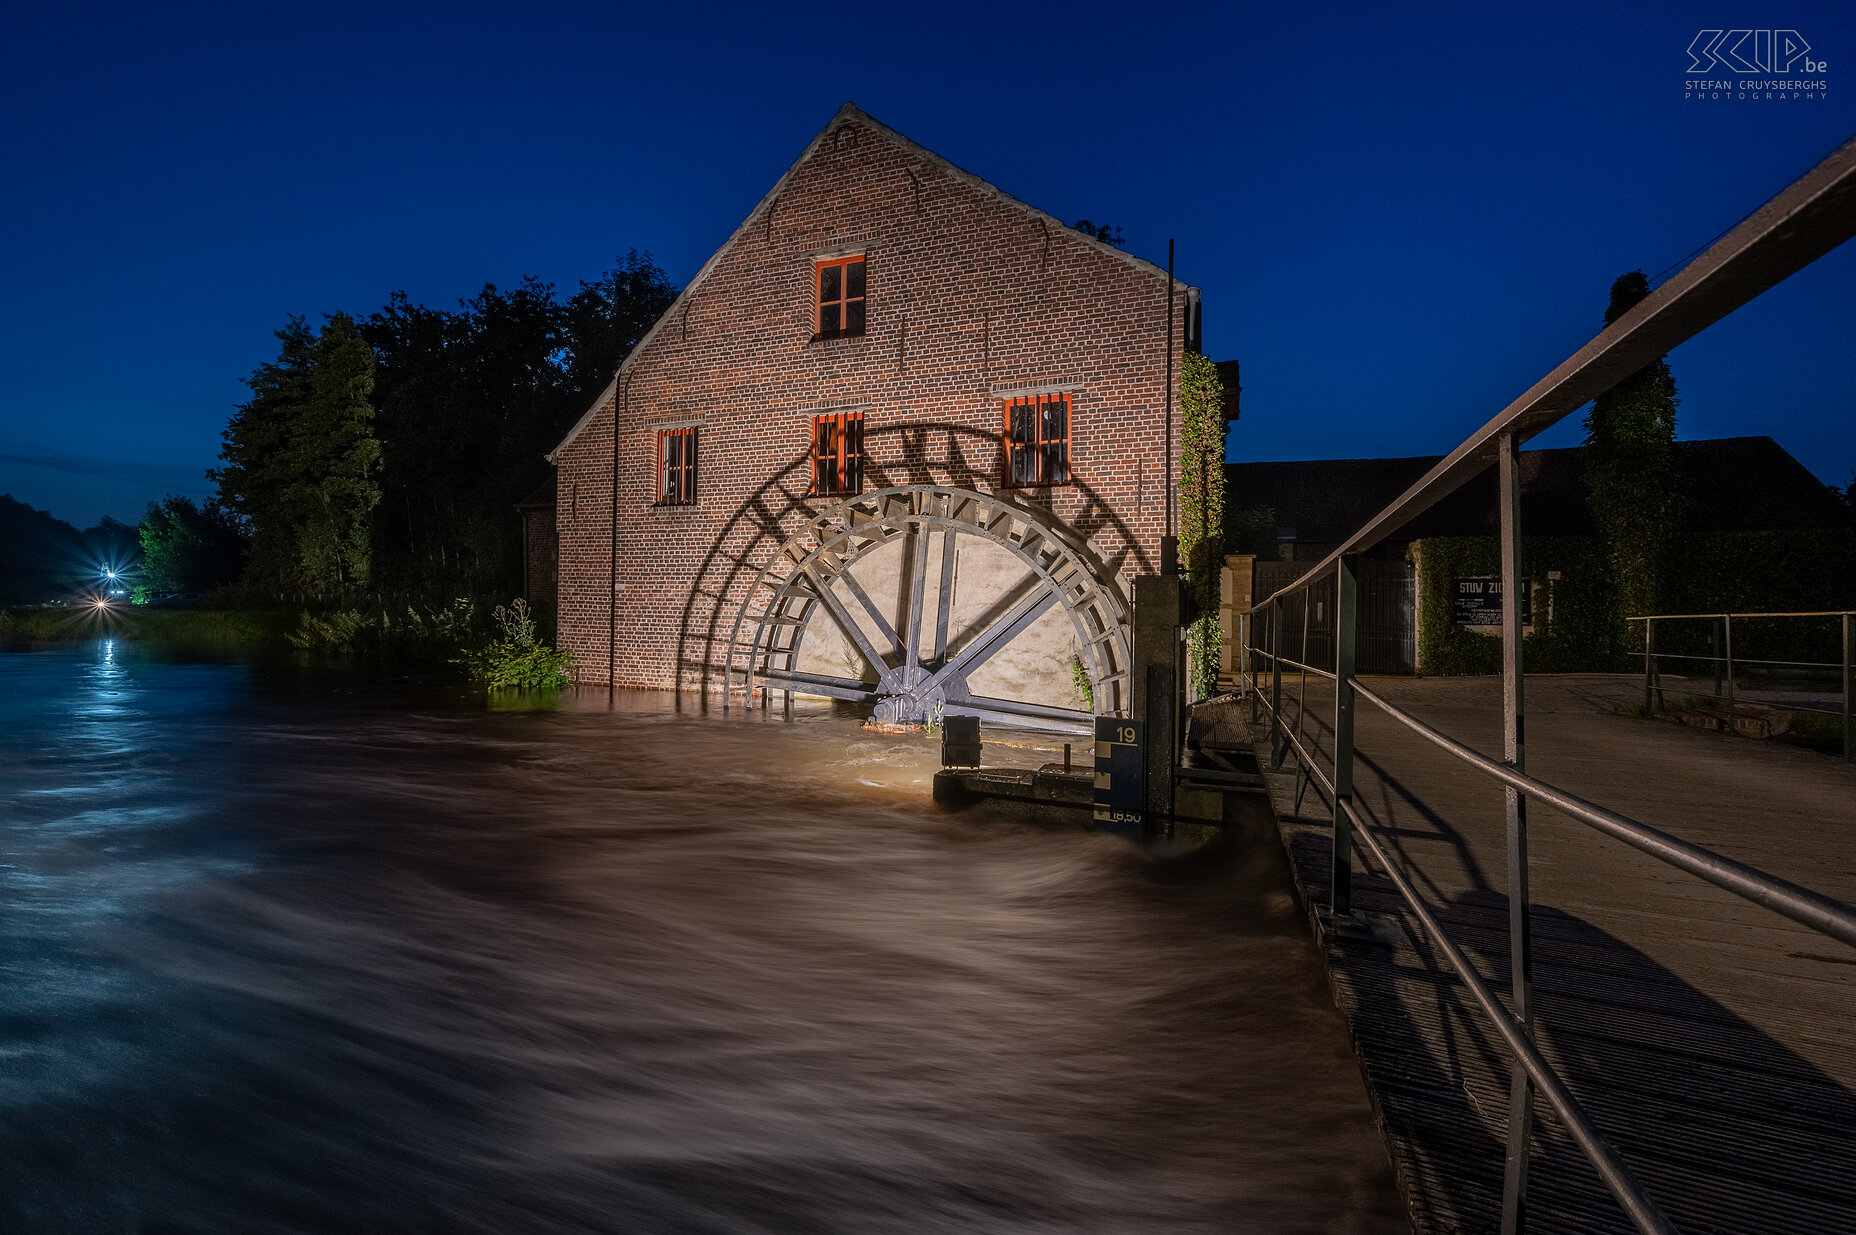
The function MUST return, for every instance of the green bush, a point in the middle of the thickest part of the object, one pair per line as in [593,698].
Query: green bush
[368,632]
[1819,731]
[1739,572]
[517,659]
[1576,622]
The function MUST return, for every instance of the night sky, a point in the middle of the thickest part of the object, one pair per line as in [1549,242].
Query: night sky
[1400,222]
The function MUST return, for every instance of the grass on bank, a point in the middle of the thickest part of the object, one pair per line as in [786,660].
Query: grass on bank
[503,651]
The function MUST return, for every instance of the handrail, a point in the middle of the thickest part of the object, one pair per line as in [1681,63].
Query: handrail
[1616,1175]
[1801,905]
[1812,216]
[1677,617]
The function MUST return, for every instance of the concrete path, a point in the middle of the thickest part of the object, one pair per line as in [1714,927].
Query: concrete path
[1710,1039]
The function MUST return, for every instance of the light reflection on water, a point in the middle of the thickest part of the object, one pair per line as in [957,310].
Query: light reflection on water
[287,955]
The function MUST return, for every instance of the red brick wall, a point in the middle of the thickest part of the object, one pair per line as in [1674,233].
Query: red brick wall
[971,297]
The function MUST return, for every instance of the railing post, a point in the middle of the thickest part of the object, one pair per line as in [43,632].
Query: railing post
[1243,652]
[1727,620]
[1276,736]
[1715,632]
[1514,745]
[1849,687]
[1649,700]
[1346,597]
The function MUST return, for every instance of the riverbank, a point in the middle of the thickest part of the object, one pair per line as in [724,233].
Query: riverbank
[225,629]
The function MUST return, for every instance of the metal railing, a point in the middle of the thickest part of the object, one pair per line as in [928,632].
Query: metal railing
[1723,659]
[1808,219]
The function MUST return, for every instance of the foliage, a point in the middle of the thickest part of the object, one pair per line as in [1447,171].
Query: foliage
[1252,530]
[1632,469]
[518,659]
[469,403]
[1583,629]
[382,457]
[302,464]
[1576,621]
[1107,233]
[1818,731]
[1079,679]
[443,633]
[43,558]
[215,629]
[187,549]
[1202,515]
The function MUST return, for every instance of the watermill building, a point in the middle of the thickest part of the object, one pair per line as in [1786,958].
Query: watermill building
[903,440]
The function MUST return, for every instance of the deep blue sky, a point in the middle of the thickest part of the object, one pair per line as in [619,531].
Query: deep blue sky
[1402,216]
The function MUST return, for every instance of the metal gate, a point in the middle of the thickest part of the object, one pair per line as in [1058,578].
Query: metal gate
[1388,628]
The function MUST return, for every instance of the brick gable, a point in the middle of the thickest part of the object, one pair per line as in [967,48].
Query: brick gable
[972,298]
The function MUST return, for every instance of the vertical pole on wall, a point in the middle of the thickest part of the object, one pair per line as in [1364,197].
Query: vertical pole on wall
[1715,634]
[1346,597]
[1167,401]
[1727,624]
[1276,737]
[1649,650]
[1514,745]
[612,544]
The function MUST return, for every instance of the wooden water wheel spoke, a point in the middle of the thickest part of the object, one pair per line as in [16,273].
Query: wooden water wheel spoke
[978,649]
[821,588]
[883,627]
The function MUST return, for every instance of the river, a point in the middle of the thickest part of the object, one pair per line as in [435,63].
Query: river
[292,952]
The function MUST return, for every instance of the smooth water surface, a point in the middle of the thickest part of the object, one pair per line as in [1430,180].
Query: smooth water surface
[283,954]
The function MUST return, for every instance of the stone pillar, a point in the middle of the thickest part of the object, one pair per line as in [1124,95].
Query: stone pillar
[1234,597]
[1156,684]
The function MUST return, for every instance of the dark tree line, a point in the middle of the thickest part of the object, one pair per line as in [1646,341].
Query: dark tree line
[383,457]
[44,558]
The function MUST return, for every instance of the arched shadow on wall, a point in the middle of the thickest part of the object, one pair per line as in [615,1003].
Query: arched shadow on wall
[781,505]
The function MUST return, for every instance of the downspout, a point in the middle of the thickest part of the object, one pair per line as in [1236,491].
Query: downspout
[1167,402]
[612,541]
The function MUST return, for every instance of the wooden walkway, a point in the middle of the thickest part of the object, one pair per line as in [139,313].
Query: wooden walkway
[1711,1041]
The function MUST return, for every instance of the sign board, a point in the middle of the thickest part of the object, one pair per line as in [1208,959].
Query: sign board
[1121,771]
[1476,600]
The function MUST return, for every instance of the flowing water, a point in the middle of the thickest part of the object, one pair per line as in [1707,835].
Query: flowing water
[280,952]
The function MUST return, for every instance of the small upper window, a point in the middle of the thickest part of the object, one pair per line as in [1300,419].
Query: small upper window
[1037,440]
[676,467]
[838,453]
[840,287]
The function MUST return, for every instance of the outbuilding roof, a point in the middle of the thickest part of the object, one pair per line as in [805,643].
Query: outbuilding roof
[1735,484]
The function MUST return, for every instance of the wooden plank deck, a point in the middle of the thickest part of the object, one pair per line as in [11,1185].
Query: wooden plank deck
[1711,1041]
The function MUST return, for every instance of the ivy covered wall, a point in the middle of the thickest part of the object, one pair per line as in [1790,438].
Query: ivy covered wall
[1579,624]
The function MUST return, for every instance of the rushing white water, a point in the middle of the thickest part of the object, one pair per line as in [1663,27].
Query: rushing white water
[280,956]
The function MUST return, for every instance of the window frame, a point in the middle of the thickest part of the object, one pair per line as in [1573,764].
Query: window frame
[679,490]
[847,457]
[844,300]
[1040,446]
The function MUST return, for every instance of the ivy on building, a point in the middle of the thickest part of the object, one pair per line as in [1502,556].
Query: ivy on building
[1201,511]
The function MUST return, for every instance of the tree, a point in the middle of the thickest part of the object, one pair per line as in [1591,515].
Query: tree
[1201,514]
[302,464]
[470,401]
[187,549]
[1107,233]
[1632,470]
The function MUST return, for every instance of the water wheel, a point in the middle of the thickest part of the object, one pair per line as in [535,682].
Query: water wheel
[927,601]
